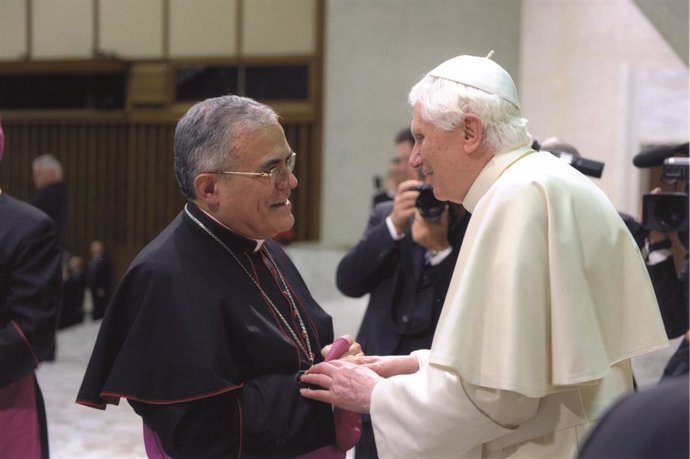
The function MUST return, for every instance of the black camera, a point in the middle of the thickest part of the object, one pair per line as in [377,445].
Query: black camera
[430,207]
[668,212]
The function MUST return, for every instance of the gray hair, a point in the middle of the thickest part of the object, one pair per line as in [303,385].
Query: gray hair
[205,136]
[48,162]
[444,103]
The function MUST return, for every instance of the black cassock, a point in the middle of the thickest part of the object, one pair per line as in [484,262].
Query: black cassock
[199,353]
[30,296]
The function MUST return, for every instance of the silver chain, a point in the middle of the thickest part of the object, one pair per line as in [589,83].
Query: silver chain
[307,351]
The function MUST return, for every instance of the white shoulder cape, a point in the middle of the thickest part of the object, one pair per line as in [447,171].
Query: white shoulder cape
[550,288]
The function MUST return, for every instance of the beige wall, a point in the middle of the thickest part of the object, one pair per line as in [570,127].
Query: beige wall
[12,29]
[596,74]
[375,51]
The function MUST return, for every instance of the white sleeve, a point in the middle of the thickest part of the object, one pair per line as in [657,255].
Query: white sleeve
[428,414]
[391,229]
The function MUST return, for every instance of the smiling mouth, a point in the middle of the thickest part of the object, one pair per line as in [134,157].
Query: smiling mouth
[281,204]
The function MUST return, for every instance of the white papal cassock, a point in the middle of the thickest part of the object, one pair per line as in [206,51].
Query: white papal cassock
[549,300]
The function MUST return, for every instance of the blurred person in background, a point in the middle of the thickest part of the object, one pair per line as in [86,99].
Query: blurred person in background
[399,170]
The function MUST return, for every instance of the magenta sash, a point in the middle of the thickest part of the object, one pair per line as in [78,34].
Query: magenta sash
[19,432]
[152,444]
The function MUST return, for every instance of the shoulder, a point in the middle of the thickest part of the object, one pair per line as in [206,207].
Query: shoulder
[22,216]
[382,209]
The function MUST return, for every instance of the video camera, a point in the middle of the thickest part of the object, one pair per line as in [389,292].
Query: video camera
[666,212]
[569,154]
[430,207]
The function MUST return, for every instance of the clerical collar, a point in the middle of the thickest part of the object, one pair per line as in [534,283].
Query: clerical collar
[490,174]
[228,236]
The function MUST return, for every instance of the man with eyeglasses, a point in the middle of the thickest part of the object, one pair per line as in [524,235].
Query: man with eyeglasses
[212,325]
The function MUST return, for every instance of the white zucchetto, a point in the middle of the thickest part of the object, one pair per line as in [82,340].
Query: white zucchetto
[481,73]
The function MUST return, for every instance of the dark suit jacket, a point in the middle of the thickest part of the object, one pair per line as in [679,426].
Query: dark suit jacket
[406,296]
[52,199]
[30,288]
[651,423]
[671,291]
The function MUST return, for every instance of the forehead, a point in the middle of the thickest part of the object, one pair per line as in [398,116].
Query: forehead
[262,144]
[419,124]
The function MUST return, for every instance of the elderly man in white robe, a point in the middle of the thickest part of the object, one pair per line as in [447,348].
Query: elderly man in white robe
[549,301]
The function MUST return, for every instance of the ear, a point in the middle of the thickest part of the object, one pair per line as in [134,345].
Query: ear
[473,132]
[205,188]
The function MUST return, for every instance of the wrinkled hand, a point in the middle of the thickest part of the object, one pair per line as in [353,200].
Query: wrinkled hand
[431,235]
[345,385]
[389,365]
[404,204]
[354,349]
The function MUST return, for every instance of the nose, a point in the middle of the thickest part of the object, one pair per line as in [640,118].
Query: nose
[289,182]
[416,156]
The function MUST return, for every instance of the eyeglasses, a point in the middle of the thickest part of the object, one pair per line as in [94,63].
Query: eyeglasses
[276,174]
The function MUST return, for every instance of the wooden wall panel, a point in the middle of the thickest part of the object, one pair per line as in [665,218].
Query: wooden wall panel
[121,182]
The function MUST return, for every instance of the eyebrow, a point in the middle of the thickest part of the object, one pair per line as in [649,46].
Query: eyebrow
[274,162]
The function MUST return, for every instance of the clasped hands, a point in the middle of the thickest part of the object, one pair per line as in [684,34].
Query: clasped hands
[348,382]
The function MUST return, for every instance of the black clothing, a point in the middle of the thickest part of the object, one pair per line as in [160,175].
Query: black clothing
[73,288]
[52,199]
[30,295]
[406,296]
[671,291]
[652,423]
[381,196]
[30,288]
[200,354]
[98,279]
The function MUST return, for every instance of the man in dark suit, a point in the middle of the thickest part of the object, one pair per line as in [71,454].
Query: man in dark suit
[405,262]
[98,276]
[30,295]
[51,191]
[670,284]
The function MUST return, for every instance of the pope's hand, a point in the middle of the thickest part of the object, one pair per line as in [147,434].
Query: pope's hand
[345,385]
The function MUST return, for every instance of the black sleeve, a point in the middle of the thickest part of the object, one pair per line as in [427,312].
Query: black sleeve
[266,418]
[367,264]
[671,292]
[32,294]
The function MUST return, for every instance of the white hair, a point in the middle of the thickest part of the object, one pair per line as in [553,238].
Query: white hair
[444,103]
[48,162]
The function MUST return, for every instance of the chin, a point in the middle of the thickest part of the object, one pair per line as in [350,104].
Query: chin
[287,226]
[440,195]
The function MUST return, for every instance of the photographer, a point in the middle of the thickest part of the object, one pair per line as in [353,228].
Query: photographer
[405,262]
[666,219]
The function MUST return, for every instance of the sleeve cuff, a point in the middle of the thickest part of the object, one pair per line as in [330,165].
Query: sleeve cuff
[391,229]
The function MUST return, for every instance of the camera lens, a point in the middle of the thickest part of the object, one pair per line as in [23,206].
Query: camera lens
[665,212]
[672,215]
[430,207]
